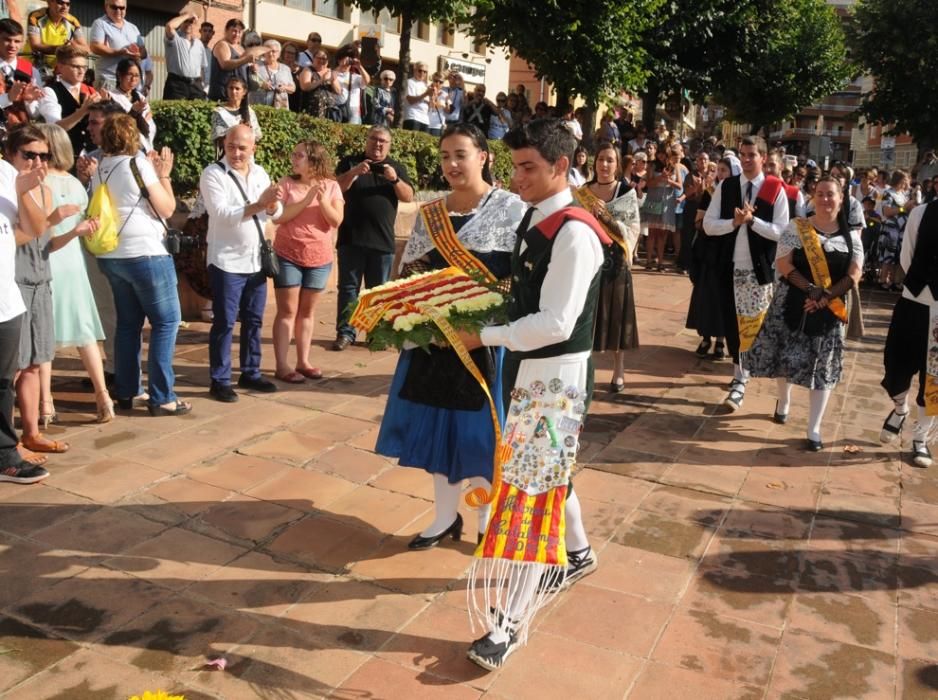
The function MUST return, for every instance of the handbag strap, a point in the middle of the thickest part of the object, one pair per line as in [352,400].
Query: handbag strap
[144,192]
[257,222]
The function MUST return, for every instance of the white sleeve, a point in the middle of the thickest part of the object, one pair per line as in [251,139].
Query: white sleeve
[214,188]
[576,257]
[772,230]
[712,223]
[910,236]
[857,244]
[49,107]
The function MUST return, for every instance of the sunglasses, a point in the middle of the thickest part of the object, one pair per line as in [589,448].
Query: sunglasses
[66,3]
[32,155]
[116,8]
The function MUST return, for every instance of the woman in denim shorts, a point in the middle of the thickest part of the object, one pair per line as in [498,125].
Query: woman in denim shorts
[313,210]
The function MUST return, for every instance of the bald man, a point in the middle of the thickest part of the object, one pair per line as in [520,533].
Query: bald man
[239,198]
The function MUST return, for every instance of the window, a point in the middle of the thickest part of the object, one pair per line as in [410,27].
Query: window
[387,20]
[305,5]
[420,30]
[479,46]
[445,33]
[331,8]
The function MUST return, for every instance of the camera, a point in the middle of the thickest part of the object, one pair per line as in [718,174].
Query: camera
[377,169]
[176,242]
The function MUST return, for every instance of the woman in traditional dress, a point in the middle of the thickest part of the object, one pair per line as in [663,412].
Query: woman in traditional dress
[437,417]
[704,313]
[819,259]
[235,110]
[615,204]
[895,210]
[129,95]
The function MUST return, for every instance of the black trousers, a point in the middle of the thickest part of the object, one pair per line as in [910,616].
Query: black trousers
[727,300]
[9,359]
[906,347]
[177,87]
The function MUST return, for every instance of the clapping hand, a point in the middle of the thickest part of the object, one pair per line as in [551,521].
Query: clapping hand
[87,227]
[162,161]
[31,176]
[61,213]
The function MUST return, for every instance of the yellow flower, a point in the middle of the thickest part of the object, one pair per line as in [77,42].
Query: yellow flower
[157,695]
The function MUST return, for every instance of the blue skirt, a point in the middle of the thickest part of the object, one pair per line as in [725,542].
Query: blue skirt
[459,444]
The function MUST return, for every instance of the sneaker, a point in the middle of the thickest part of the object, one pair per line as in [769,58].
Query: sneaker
[223,392]
[258,383]
[342,342]
[490,656]
[704,348]
[892,426]
[23,473]
[921,455]
[579,564]
[734,400]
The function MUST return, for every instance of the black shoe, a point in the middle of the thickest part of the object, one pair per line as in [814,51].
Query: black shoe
[617,387]
[579,564]
[780,418]
[480,538]
[921,455]
[258,383]
[704,348]
[182,408]
[454,531]
[813,445]
[490,656]
[892,426]
[23,472]
[342,342]
[719,351]
[222,392]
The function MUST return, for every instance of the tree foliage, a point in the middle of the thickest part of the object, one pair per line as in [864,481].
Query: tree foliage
[800,57]
[411,11]
[583,47]
[897,43]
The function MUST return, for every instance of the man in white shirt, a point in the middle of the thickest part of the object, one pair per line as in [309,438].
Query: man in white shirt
[752,209]
[239,198]
[548,373]
[20,79]
[911,338]
[67,99]
[113,38]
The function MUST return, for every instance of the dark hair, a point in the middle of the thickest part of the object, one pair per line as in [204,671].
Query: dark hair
[106,107]
[549,137]
[843,219]
[474,134]
[206,24]
[123,68]
[244,108]
[347,51]
[22,135]
[756,141]
[10,27]
[234,22]
[607,146]
[584,169]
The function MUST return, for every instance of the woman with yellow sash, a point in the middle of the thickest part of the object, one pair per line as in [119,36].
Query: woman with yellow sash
[819,260]
[437,416]
[614,202]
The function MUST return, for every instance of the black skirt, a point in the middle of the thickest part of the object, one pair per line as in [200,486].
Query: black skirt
[616,325]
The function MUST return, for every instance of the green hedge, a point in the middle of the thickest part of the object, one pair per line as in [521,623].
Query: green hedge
[185,126]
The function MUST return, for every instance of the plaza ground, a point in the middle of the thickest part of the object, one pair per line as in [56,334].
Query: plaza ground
[269,534]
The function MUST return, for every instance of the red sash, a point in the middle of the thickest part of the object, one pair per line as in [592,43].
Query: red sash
[551,224]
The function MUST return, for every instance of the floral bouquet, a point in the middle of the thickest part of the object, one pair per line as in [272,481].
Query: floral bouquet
[396,313]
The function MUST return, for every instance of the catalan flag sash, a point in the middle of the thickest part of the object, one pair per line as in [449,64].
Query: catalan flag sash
[441,231]
[818,263]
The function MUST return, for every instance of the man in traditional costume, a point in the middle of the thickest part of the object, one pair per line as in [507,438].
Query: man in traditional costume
[752,207]
[912,340]
[535,544]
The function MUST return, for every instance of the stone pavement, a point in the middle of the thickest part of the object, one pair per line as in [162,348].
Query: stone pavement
[267,532]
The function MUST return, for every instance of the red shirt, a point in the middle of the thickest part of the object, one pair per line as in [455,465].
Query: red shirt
[307,239]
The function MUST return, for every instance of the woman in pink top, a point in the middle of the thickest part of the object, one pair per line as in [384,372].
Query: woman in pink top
[313,210]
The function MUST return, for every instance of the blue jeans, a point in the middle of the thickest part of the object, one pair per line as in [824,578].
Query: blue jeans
[144,288]
[356,263]
[236,294]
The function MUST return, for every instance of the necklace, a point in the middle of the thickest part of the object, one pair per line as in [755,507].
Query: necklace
[611,182]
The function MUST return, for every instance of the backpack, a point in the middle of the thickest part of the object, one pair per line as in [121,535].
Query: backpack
[107,236]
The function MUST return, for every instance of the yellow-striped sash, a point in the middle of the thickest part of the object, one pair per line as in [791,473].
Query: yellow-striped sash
[436,219]
[818,262]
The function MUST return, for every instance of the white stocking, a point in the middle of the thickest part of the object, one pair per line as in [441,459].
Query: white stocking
[740,373]
[483,512]
[901,403]
[922,425]
[817,403]
[523,582]
[446,501]
[784,395]
[575,538]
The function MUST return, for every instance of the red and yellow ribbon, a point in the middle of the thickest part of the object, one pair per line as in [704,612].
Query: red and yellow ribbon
[440,227]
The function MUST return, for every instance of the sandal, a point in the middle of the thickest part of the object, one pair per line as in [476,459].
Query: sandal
[47,414]
[310,372]
[36,460]
[44,444]
[291,377]
[105,407]
[180,409]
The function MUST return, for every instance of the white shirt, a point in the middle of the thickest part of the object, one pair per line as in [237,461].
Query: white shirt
[575,259]
[233,240]
[49,107]
[772,230]
[146,142]
[11,301]
[7,69]
[419,112]
[141,233]
[350,91]
[909,237]
[573,126]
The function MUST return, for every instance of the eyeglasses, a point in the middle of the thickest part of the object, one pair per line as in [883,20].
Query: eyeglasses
[66,3]
[135,76]
[117,8]
[32,155]
[437,82]
[314,40]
